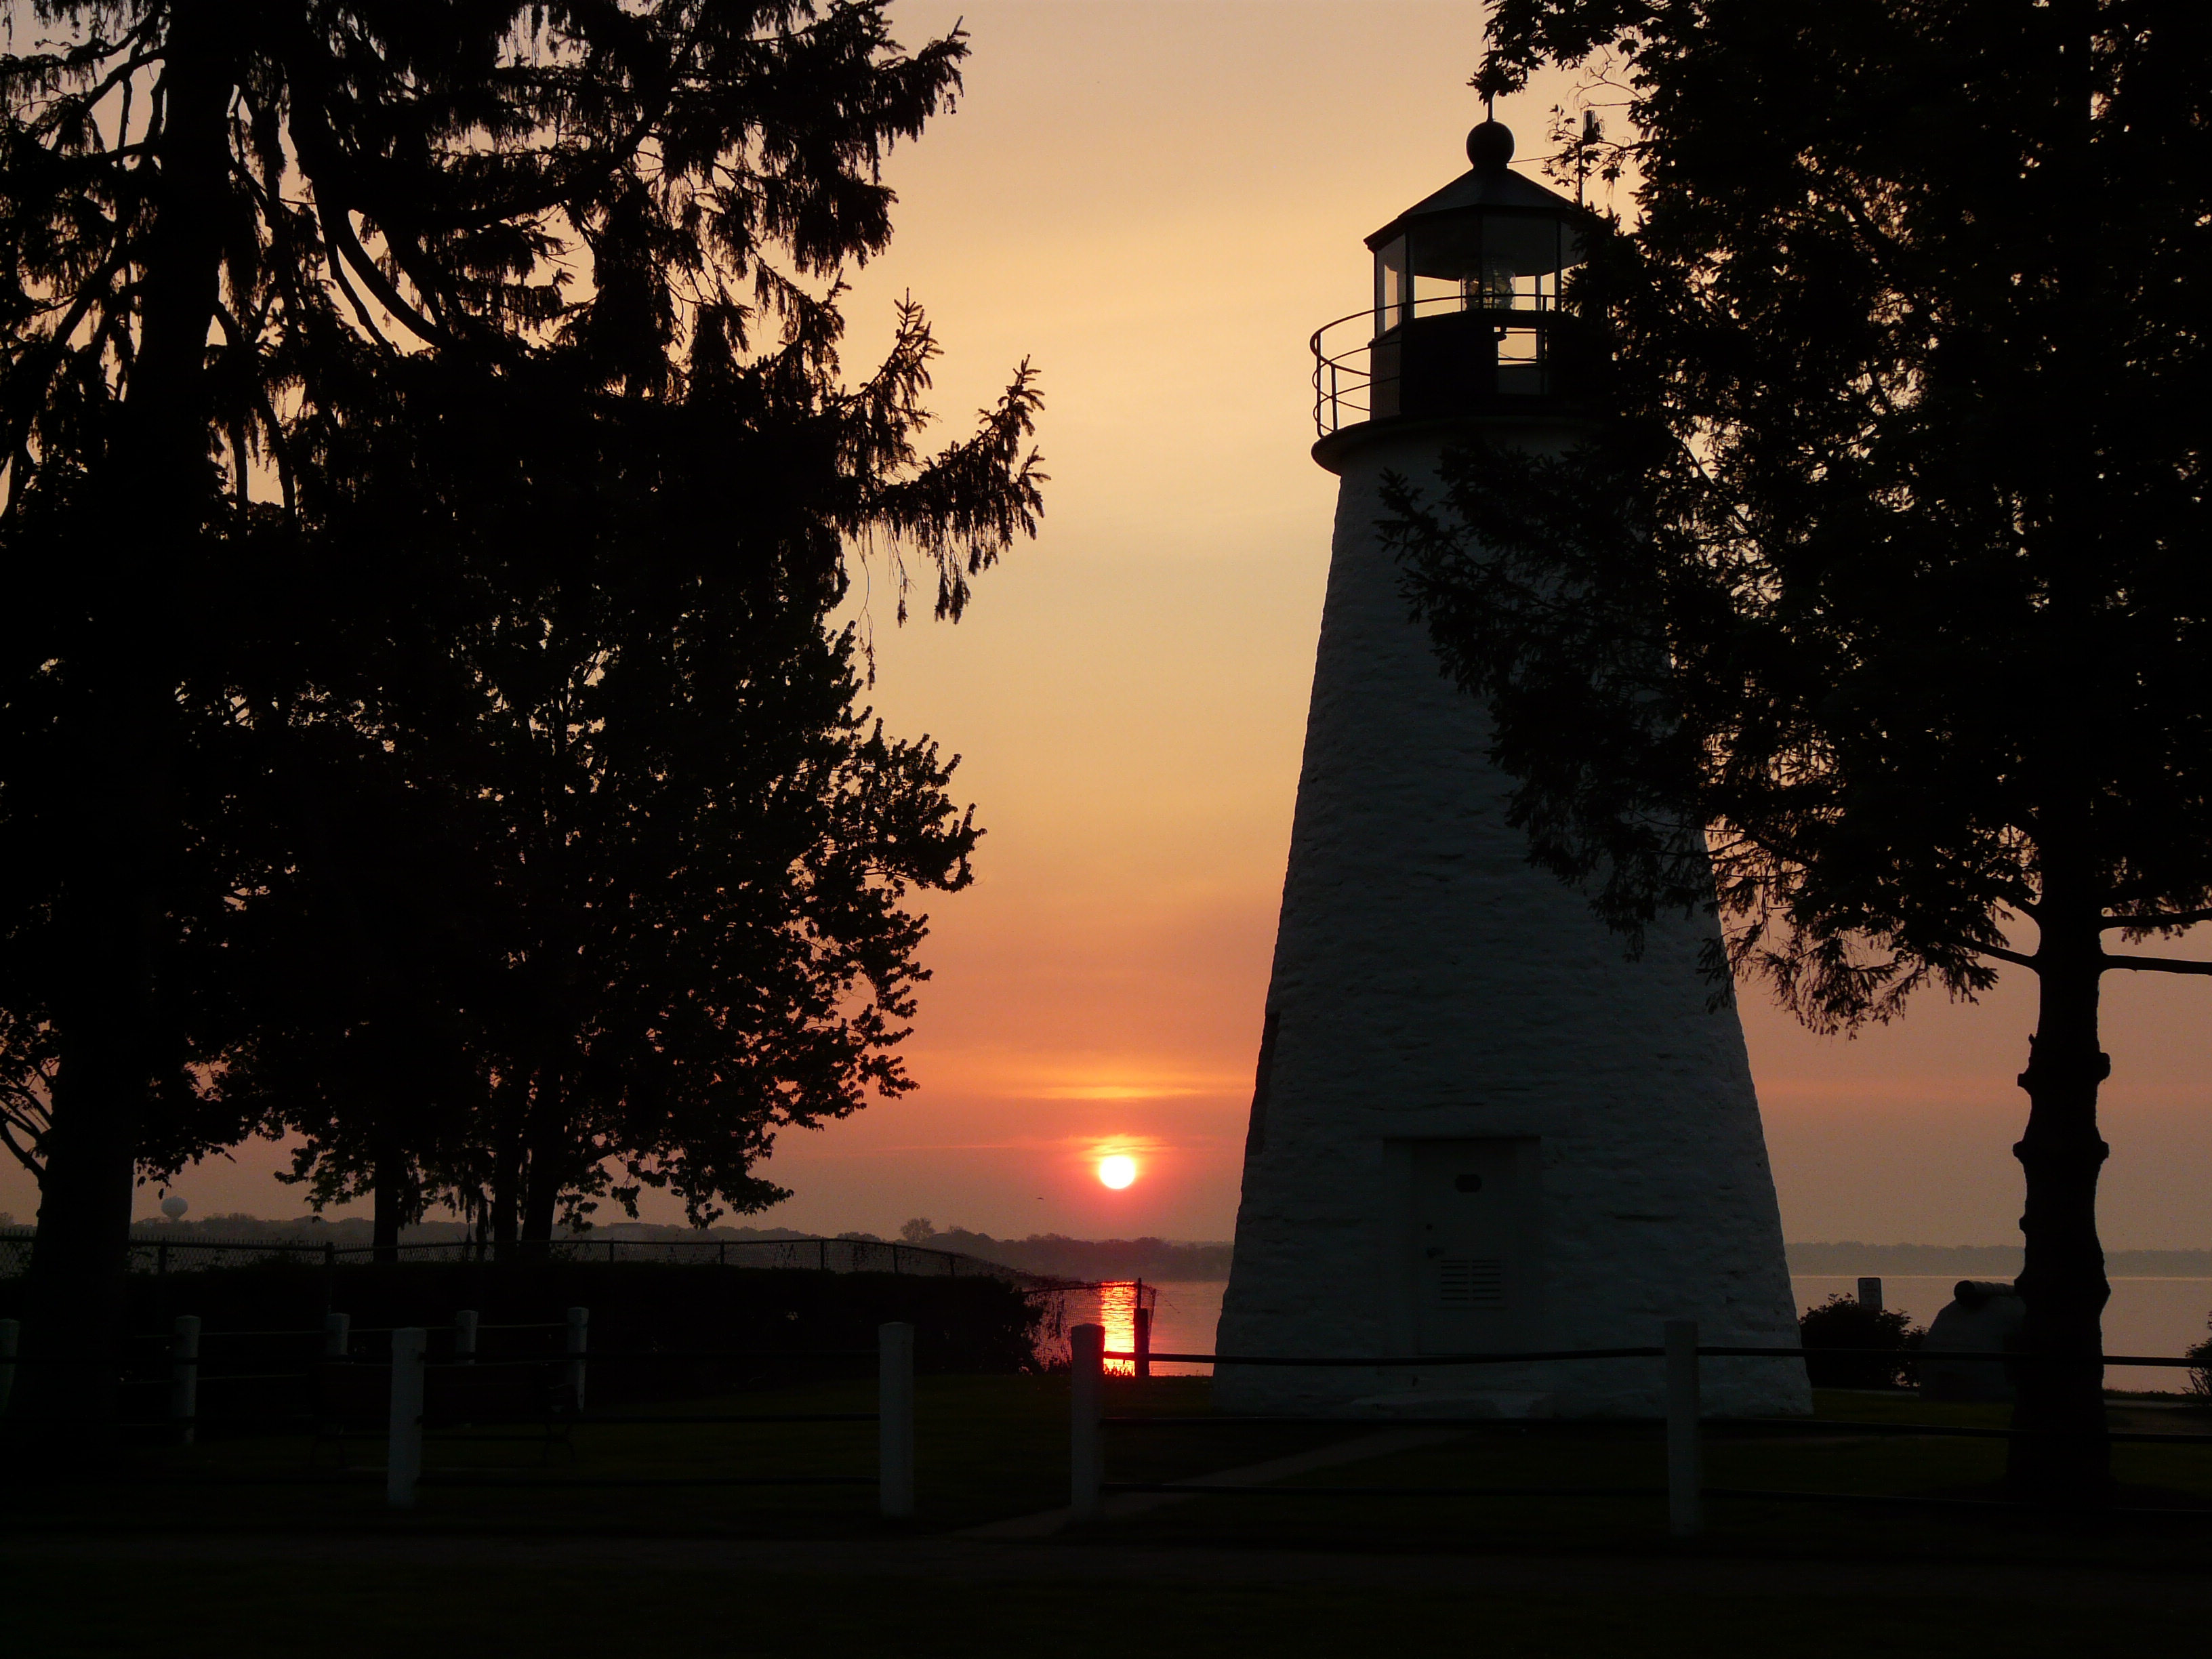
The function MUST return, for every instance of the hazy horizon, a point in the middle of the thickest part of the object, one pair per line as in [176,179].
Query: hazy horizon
[359,1220]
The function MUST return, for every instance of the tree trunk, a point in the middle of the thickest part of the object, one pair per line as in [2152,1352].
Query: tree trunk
[74,1302]
[505,1208]
[537,1213]
[541,1187]
[395,1200]
[2061,1400]
[117,895]
[503,1199]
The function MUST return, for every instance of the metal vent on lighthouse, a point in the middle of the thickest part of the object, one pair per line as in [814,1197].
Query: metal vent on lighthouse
[1472,1282]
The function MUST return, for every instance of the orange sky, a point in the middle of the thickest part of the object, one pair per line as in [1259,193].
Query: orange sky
[1158,203]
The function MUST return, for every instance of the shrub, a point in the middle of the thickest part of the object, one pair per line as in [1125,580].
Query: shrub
[1842,1323]
[2200,1373]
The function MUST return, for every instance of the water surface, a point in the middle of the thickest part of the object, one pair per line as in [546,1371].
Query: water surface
[2146,1315]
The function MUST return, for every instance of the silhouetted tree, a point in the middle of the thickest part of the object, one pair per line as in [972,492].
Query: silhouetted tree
[372,957]
[306,304]
[1879,1343]
[27,1085]
[696,850]
[1880,573]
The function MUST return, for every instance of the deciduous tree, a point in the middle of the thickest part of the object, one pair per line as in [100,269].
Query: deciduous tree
[305,304]
[1880,574]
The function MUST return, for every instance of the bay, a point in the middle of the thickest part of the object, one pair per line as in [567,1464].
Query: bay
[2147,1315]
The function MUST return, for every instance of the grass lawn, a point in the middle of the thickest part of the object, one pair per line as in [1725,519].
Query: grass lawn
[986,1448]
[342,1611]
[1631,1455]
[991,1448]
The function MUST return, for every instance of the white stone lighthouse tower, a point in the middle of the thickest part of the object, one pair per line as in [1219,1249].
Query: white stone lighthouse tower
[1477,1126]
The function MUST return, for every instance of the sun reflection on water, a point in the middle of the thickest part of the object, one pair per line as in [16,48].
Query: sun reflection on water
[1184,1314]
[1117,1312]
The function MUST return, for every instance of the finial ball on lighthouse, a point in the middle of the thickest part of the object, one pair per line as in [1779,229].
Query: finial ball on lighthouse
[1490,146]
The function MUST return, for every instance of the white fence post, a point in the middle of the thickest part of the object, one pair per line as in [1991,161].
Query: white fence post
[403,1456]
[894,1421]
[1684,1506]
[579,1326]
[465,1337]
[185,1375]
[1086,1472]
[337,1335]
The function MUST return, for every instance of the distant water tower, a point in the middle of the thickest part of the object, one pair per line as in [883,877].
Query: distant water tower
[1477,1127]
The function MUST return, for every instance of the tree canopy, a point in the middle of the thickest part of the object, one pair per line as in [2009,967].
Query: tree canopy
[1871,609]
[430,476]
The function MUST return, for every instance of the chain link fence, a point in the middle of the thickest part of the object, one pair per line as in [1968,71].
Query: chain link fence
[151,1253]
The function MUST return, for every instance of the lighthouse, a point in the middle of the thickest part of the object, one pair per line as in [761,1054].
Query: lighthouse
[1477,1126]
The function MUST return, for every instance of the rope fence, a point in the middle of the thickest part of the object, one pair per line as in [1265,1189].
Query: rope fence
[354,1394]
[1683,1427]
[547,1392]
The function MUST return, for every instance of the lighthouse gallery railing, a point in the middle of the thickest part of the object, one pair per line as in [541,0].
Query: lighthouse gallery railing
[1347,382]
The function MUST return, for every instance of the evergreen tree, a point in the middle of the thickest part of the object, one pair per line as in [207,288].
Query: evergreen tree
[339,339]
[695,849]
[1880,573]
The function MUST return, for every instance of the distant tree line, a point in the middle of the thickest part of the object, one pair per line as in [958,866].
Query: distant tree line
[430,483]
[1060,1257]
[1149,1257]
[1051,1255]
[1982,1260]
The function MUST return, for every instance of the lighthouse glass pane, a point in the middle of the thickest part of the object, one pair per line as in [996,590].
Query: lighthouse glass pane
[1393,285]
[1526,244]
[1434,295]
[1449,247]
[1522,258]
[1520,361]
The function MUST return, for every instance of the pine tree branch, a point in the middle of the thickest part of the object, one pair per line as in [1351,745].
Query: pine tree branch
[25,1155]
[31,383]
[337,269]
[2156,964]
[2156,918]
[339,227]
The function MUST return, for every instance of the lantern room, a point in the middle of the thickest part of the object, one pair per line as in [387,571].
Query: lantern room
[1467,293]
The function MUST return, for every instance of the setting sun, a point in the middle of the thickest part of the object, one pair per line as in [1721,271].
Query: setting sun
[1117,1171]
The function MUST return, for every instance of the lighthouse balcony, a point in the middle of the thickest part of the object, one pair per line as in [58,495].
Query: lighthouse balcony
[1435,358]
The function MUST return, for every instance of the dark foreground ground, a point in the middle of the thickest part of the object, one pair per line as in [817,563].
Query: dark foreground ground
[187,1568]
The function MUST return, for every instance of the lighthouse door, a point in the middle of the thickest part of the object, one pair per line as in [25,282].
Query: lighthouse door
[1474,1281]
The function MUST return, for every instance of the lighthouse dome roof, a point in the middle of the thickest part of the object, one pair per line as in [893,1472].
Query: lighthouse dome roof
[1488,184]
